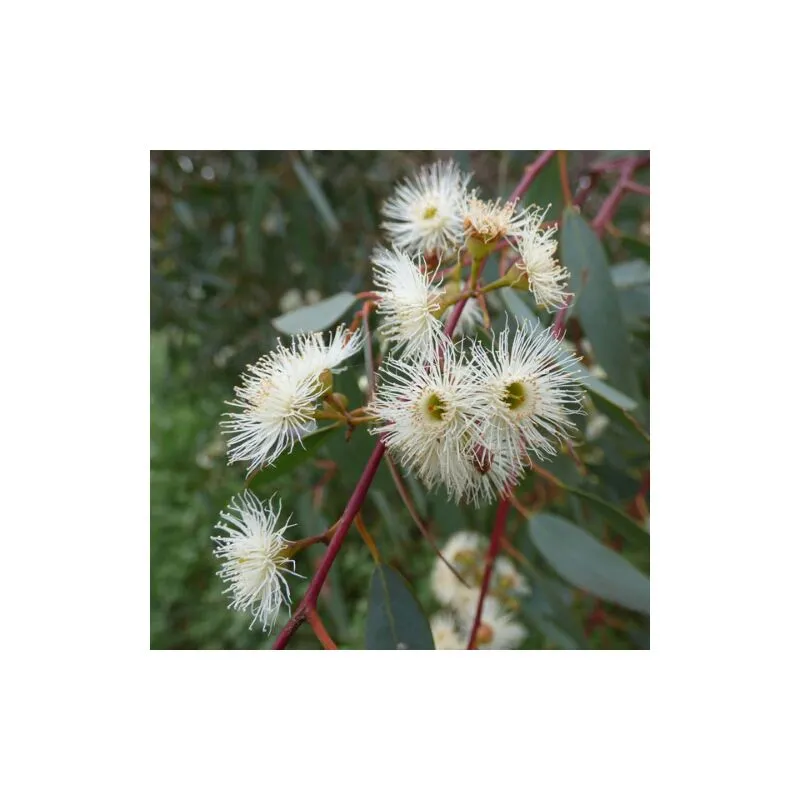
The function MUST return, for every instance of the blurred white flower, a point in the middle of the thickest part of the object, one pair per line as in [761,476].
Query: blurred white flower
[498,629]
[447,634]
[506,578]
[408,300]
[547,279]
[290,301]
[424,213]
[313,296]
[280,396]
[464,551]
[252,549]
[533,391]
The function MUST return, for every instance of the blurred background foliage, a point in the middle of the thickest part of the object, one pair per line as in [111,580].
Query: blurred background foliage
[237,238]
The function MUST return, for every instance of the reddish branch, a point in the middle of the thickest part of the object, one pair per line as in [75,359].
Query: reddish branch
[491,554]
[319,629]
[530,173]
[309,601]
[623,184]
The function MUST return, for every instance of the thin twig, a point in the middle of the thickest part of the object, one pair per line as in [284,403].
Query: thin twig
[491,554]
[354,504]
[563,175]
[409,503]
[530,173]
[319,629]
[606,212]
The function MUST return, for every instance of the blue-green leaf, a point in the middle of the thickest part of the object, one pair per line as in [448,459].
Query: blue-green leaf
[318,317]
[596,301]
[582,561]
[631,273]
[395,620]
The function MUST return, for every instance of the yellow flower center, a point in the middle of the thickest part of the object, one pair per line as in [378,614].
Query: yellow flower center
[514,395]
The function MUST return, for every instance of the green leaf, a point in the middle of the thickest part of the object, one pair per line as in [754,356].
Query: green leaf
[631,273]
[395,620]
[518,307]
[582,561]
[301,452]
[601,388]
[597,304]
[546,608]
[317,196]
[318,317]
[619,521]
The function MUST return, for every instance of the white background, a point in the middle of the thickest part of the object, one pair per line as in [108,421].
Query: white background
[88,711]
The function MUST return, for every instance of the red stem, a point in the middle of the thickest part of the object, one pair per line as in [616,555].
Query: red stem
[352,508]
[622,185]
[639,188]
[491,555]
[319,629]
[561,320]
[530,173]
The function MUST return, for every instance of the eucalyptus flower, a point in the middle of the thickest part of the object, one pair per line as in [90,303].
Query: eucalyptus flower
[254,555]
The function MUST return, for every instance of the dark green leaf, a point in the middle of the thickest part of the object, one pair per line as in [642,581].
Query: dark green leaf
[255,214]
[582,561]
[546,608]
[619,521]
[302,451]
[316,195]
[596,304]
[395,620]
[318,317]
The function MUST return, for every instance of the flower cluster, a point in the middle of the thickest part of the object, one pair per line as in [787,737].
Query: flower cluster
[433,215]
[469,419]
[465,552]
[459,414]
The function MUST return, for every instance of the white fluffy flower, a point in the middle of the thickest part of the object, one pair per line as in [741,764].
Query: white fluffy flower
[447,634]
[280,395]
[430,418]
[547,279]
[408,300]
[533,390]
[424,213]
[498,629]
[464,552]
[490,221]
[252,549]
